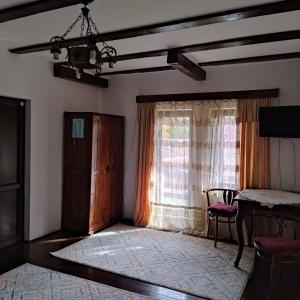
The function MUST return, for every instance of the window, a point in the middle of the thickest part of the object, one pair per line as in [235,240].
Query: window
[172,148]
[195,148]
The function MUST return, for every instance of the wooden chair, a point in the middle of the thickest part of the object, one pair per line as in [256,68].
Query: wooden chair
[218,210]
[276,251]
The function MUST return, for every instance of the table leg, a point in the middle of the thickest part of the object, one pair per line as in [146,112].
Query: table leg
[250,230]
[239,228]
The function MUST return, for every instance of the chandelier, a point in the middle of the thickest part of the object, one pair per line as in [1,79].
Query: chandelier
[87,55]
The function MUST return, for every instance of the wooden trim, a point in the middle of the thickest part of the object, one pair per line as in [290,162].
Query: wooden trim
[90,114]
[248,94]
[33,8]
[46,236]
[10,242]
[70,74]
[235,42]
[9,187]
[182,64]
[3,97]
[18,186]
[219,17]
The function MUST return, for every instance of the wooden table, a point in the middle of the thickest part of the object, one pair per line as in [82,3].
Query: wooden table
[250,200]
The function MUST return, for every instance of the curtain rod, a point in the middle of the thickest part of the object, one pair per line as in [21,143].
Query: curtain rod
[248,94]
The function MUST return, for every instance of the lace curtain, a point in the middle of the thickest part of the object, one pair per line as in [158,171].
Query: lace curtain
[195,148]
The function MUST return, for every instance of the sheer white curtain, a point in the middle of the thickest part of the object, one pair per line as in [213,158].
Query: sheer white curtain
[195,148]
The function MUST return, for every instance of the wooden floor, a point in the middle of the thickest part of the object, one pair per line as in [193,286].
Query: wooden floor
[37,253]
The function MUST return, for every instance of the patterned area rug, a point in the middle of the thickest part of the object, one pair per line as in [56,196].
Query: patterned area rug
[30,282]
[177,261]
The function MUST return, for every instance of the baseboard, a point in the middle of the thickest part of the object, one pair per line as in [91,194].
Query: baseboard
[127,221]
[44,236]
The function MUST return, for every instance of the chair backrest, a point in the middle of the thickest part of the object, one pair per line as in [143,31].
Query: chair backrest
[281,219]
[228,195]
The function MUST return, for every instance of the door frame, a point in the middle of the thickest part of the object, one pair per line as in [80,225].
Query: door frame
[24,170]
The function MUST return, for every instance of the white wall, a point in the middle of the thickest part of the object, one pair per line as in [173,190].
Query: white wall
[120,99]
[30,77]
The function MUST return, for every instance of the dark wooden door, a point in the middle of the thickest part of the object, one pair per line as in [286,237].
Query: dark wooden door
[12,134]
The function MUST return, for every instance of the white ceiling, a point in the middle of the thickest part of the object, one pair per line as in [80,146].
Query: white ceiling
[112,15]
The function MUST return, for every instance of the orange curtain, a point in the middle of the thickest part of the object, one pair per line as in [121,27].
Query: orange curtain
[254,158]
[146,114]
[254,150]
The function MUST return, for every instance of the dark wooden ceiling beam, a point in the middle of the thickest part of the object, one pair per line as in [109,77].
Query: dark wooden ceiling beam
[33,8]
[247,94]
[235,42]
[70,74]
[141,70]
[254,59]
[182,64]
[225,16]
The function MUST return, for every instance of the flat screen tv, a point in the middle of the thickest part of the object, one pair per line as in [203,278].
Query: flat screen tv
[279,121]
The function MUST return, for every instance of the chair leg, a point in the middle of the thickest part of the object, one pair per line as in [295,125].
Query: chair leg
[250,231]
[274,276]
[216,230]
[254,264]
[229,228]
[208,229]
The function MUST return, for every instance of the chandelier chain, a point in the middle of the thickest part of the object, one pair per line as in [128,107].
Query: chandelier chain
[88,27]
[94,26]
[82,28]
[71,27]
[97,30]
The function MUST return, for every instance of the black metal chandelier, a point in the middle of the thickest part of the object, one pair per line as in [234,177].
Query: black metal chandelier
[86,55]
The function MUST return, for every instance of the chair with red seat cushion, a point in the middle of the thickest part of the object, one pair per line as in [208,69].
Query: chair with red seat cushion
[221,208]
[224,210]
[277,245]
[277,251]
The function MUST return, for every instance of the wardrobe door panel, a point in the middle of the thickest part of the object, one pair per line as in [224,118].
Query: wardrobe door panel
[99,212]
[77,171]
[104,141]
[101,176]
[117,162]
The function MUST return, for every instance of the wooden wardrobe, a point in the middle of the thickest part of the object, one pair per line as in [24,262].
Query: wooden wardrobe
[93,171]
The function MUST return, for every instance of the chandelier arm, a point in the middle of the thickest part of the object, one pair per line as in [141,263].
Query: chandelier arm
[109,51]
[105,45]
[59,42]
